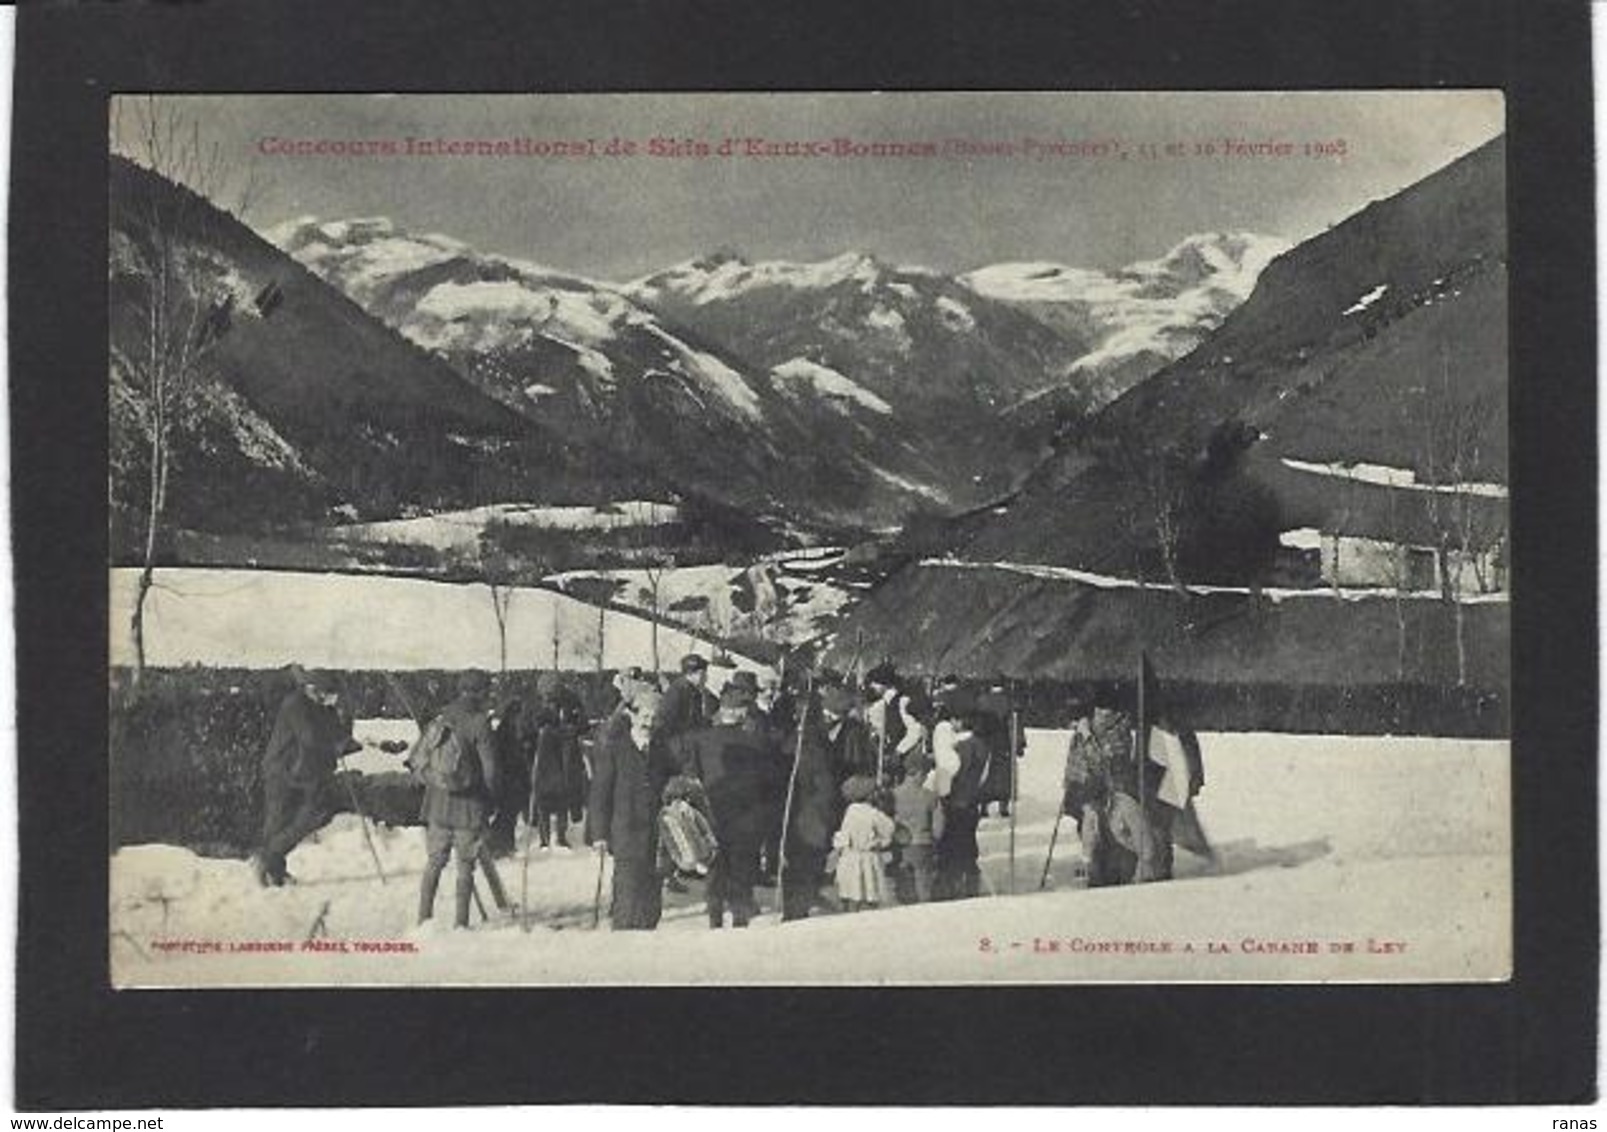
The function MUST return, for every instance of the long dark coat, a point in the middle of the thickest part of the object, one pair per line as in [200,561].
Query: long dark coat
[626,789]
[817,804]
[306,740]
[558,772]
[736,765]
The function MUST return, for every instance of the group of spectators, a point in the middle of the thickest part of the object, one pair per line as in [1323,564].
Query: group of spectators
[840,797]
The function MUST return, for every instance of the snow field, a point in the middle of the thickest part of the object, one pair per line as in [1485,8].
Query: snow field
[1398,847]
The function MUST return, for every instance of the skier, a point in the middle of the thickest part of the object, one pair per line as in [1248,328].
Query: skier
[1122,841]
[456,819]
[298,770]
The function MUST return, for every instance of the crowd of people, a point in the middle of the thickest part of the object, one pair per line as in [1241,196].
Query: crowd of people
[874,793]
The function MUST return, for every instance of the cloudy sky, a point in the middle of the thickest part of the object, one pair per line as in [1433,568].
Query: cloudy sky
[618,217]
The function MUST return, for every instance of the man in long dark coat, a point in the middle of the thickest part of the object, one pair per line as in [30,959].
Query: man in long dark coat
[626,790]
[298,771]
[735,765]
[815,814]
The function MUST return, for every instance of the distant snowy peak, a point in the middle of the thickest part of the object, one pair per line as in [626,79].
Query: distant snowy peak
[1230,261]
[1154,310]
[458,299]
[726,275]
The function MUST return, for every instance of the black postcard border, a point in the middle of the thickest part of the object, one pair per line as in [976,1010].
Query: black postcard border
[80,1045]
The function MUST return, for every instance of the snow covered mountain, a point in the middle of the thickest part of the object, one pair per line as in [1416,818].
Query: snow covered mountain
[304,407]
[1360,389]
[1139,317]
[793,437]
[846,392]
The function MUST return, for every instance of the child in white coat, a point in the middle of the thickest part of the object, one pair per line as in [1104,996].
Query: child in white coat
[862,843]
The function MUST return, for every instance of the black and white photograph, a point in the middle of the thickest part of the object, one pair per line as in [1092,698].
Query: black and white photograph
[895,539]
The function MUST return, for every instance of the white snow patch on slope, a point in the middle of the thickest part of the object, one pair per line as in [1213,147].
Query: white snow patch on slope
[1367,300]
[1402,478]
[909,485]
[712,374]
[461,530]
[1271,593]
[1320,838]
[801,375]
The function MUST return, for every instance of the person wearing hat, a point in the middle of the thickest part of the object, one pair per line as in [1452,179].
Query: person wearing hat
[762,723]
[456,820]
[298,770]
[627,784]
[815,813]
[1101,792]
[557,772]
[687,703]
[735,764]
[848,740]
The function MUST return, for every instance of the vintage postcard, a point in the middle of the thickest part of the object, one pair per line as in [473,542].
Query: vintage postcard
[910,539]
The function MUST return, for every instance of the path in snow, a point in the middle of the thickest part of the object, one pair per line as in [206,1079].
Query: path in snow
[1321,839]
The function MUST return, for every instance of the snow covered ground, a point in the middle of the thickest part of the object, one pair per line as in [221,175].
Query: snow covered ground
[265,619]
[787,597]
[1395,848]
[460,531]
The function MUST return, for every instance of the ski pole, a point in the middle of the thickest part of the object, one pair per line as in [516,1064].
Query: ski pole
[1015,770]
[792,782]
[1054,835]
[524,875]
[597,894]
[362,819]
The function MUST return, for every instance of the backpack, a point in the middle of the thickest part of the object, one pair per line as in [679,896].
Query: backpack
[439,758]
[687,836]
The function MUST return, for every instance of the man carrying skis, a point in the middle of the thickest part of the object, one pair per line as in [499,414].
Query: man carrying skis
[461,781]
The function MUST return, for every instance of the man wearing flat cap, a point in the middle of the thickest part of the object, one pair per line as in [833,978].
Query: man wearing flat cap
[687,704]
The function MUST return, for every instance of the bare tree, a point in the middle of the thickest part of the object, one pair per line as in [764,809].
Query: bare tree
[1453,438]
[654,572]
[498,570]
[1400,578]
[1160,479]
[182,304]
